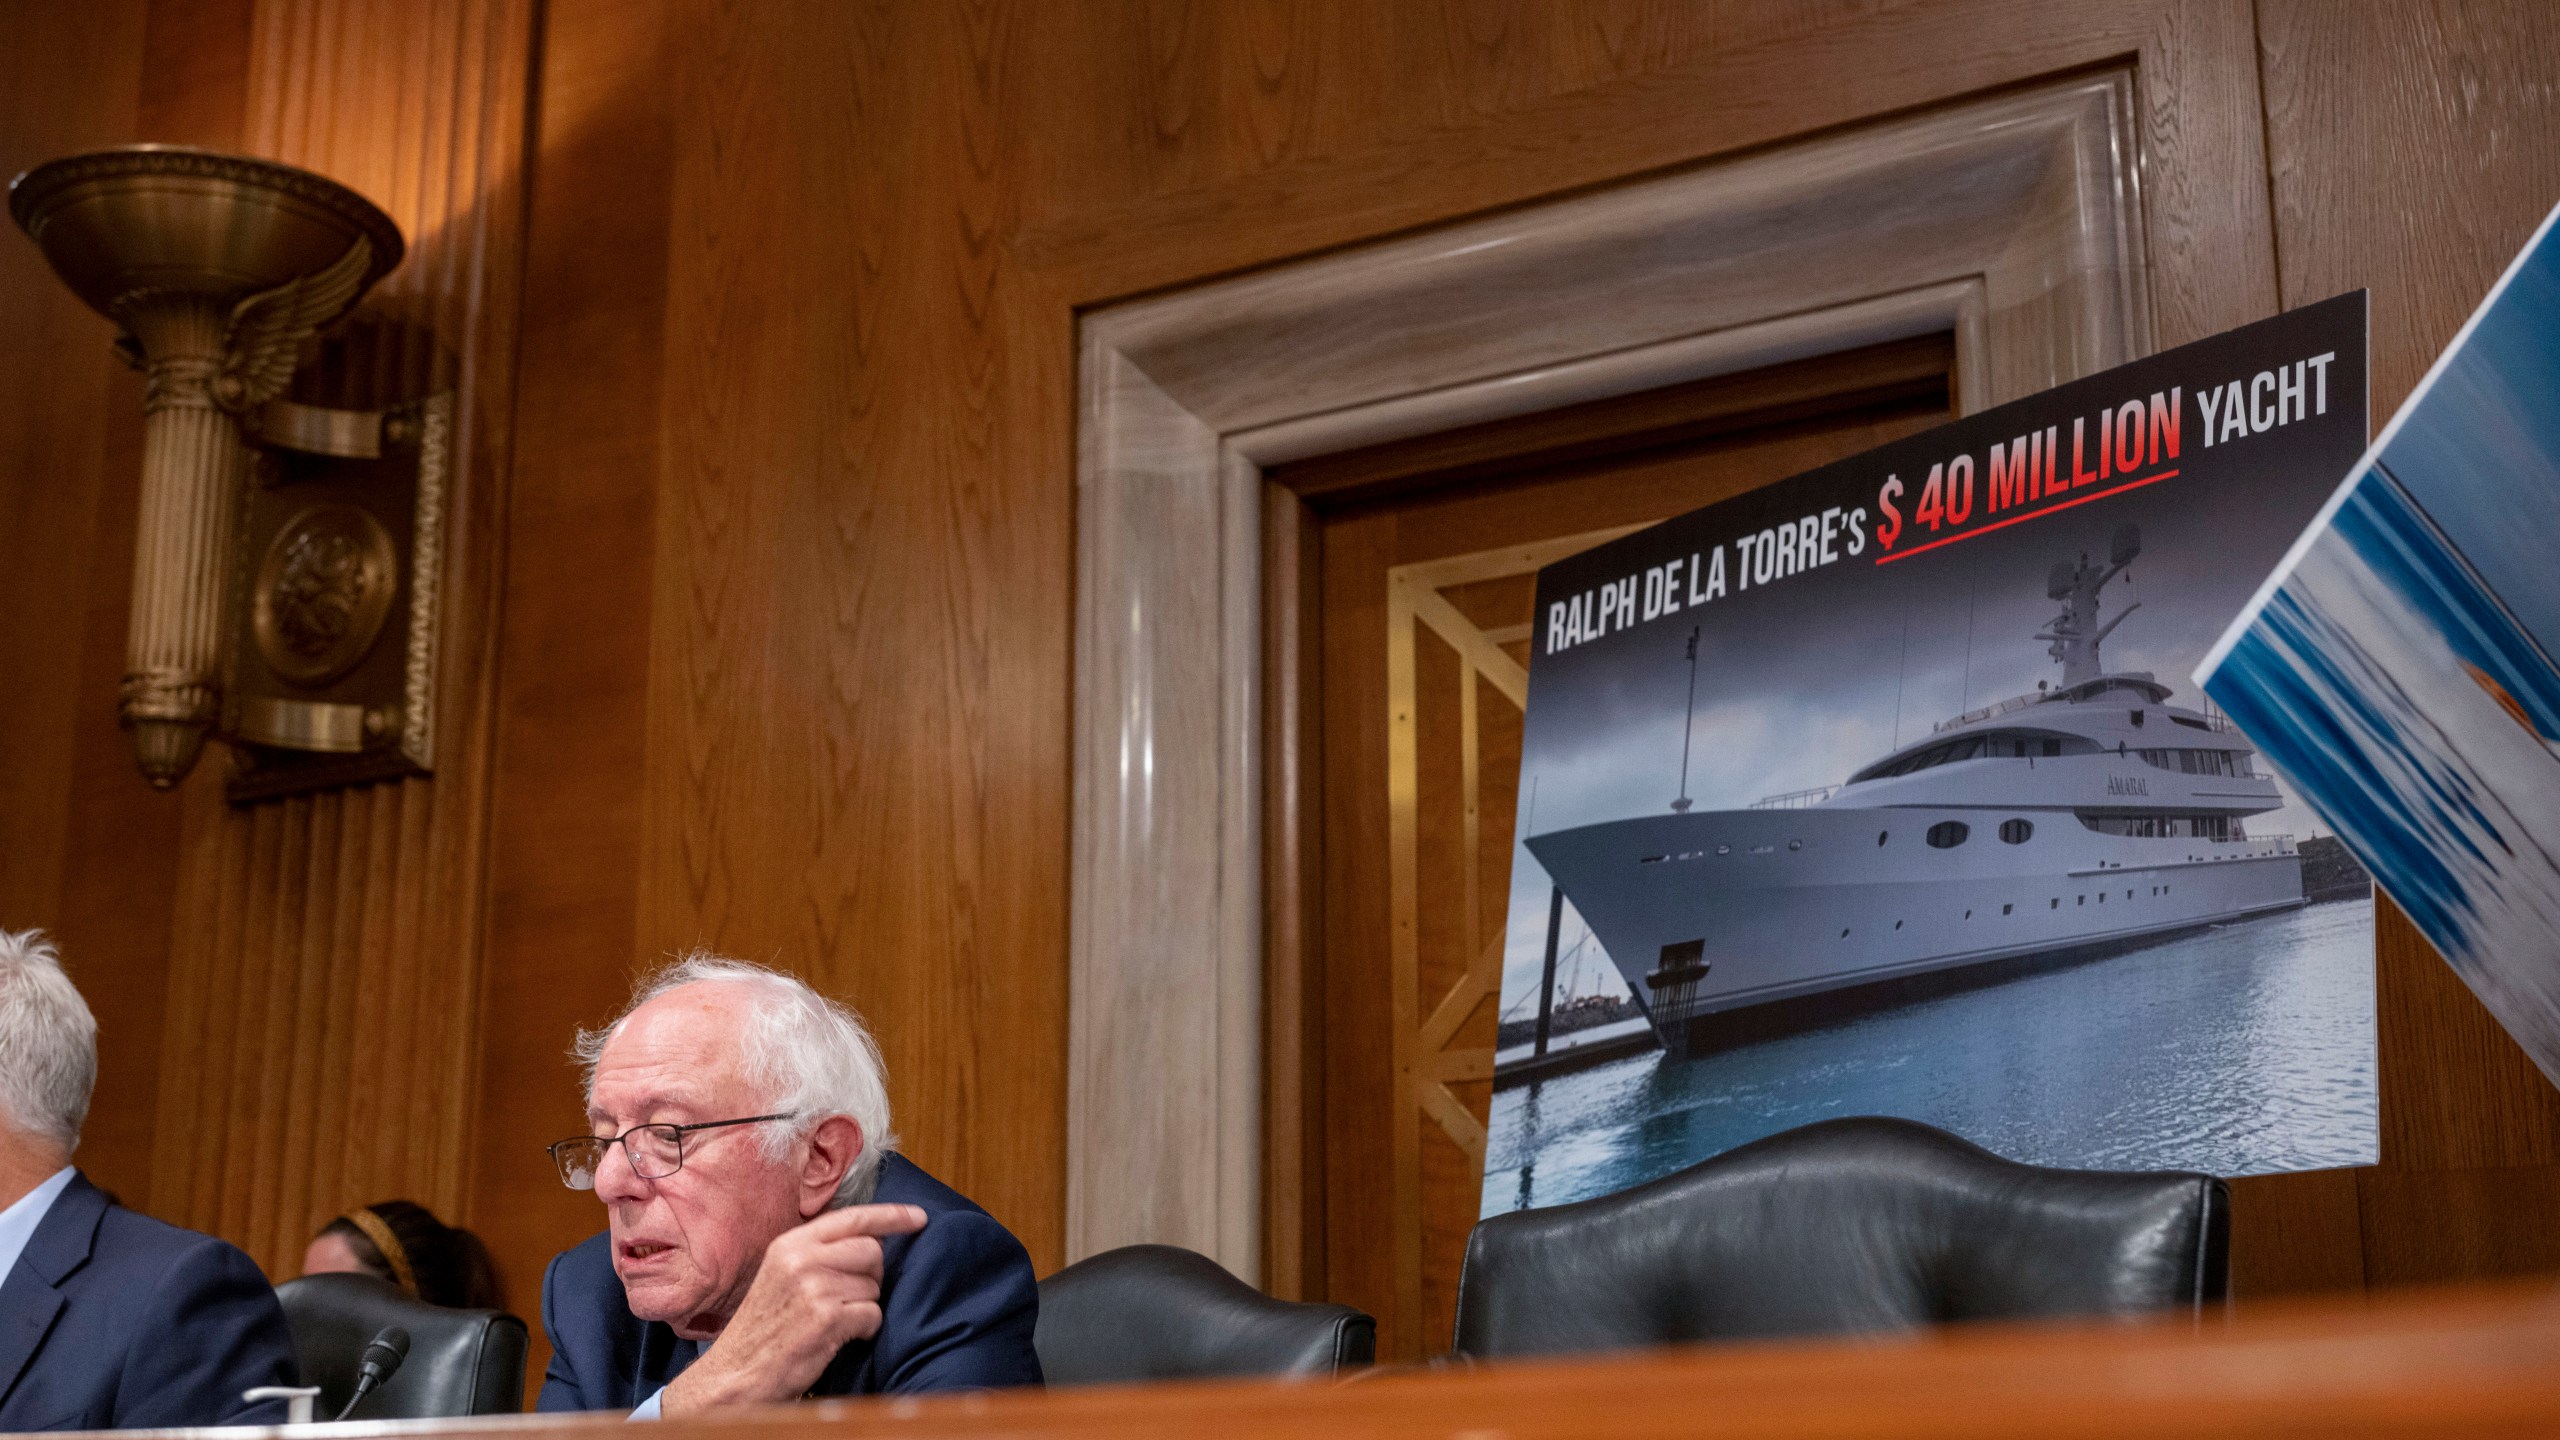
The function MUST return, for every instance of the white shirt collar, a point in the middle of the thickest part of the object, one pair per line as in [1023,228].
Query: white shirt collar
[18,1223]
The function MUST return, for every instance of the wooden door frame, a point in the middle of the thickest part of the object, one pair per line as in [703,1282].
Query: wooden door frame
[2014,221]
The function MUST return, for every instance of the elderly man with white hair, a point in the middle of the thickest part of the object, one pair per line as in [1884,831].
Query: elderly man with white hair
[765,1240]
[108,1319]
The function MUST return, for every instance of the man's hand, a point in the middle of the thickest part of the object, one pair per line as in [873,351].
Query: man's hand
[817,1291]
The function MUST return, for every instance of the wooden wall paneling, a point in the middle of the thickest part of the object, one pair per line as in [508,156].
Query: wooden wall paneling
[1360,1094]
[2430,1227]
[325,974]
[857,670]
[2410,150]
[1293,897]
[87,852]
[1729,79]
[2296,1234]
[72,74]
[571,760]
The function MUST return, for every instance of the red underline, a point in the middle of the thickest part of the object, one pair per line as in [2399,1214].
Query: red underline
[2030,515]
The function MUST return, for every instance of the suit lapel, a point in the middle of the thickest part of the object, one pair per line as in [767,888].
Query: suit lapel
[27,1310]
[29,1301]
[662,1358]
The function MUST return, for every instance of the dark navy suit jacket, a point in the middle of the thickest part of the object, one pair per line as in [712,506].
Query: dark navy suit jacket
[112,1320]
[956,1310]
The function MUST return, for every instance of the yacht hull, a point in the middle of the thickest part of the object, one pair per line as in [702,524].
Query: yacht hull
[1789,903]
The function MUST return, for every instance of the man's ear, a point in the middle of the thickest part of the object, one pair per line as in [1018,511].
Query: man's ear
[833,1147]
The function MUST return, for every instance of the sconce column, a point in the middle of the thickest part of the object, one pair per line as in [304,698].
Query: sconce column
[191,469]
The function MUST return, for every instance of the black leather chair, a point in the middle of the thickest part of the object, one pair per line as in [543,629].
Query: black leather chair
[1159,1312]
[461,1362]
[1844,1227]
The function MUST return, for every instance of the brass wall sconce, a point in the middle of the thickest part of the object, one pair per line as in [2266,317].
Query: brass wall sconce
[218,268]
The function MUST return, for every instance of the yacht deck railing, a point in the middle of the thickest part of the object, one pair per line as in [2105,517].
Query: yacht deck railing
[1796,799]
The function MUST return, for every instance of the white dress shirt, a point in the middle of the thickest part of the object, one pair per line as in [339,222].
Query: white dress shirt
[18,1223]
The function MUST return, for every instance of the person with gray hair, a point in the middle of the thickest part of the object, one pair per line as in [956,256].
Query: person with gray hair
[132,1322]
[764,1240]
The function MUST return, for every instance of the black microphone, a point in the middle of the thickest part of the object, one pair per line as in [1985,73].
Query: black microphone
[382,1357]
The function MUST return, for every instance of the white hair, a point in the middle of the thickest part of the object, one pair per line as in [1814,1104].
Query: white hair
[48,1041]
[807,1055]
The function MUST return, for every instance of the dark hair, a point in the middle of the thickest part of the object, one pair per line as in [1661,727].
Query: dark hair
[448,1264]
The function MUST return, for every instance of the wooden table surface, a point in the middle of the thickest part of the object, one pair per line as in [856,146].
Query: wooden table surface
[2470,1362]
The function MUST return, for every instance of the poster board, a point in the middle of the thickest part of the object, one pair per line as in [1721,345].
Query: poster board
[1875,791]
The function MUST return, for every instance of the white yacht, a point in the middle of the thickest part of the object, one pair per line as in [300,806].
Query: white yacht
[2084,814]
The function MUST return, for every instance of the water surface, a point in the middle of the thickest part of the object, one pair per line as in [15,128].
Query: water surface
[2240,1050]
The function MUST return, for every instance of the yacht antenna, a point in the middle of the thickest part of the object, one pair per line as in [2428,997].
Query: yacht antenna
[2075,632]
[1688,723]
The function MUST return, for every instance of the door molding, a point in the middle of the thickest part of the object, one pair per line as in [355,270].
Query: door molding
[2013,222]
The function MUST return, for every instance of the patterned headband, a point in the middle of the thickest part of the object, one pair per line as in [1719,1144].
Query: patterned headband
[393,1253]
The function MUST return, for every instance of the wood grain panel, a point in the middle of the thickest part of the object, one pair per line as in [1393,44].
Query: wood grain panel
[1727,78]
[570,759]
[82,854]
[2296,1235]
[323,985]
[857,669]
[1360,1093]
[1293,897]
[2430,1226]
[73,75]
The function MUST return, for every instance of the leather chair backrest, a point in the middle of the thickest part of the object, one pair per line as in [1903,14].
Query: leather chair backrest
[1844,1227]
[1159,1312]
[461,1362]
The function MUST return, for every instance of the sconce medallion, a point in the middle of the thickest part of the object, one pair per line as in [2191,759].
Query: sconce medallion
[333,635]
[322,593]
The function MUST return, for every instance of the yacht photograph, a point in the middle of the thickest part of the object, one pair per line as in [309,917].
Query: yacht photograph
[1942,830]
[2087,811]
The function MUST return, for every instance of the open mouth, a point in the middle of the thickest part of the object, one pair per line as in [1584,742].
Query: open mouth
[640,1250]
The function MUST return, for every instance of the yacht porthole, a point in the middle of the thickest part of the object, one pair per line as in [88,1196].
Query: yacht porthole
[1724,849]
[1880,836]
[1795,844]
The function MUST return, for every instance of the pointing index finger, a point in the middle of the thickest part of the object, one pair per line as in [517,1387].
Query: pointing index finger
[855,1220]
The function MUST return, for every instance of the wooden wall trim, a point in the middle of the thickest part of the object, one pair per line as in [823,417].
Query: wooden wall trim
[2013,221]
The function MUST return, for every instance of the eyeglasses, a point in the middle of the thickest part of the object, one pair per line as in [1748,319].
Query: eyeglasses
[655,1151]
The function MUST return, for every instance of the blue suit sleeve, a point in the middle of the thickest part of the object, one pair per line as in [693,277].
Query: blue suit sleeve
[962,1311]
[560,1388]
[215,1331]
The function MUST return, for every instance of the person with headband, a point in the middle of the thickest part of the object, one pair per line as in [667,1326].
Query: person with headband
[403,1242]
